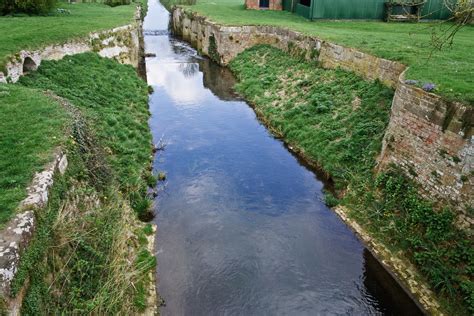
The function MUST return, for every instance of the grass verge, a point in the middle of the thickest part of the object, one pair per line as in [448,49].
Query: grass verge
[32,126]
[341,130]
[451,69]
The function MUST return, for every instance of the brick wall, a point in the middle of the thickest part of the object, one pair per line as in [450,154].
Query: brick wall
[255,4]
[432,141]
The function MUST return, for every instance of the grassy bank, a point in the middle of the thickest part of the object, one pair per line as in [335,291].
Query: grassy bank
[341,130]
[451,69]
[115,101]
[88,254]
[32,126]
[33,32]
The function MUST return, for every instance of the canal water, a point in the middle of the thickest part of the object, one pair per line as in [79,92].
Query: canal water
[242,229]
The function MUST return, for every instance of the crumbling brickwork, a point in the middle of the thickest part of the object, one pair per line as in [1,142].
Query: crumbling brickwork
[432,141]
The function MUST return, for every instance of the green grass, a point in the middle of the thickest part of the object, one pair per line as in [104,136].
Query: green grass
[21,107]
[341,130]
[115,101]
[33,32]
[451,69]
[32,126]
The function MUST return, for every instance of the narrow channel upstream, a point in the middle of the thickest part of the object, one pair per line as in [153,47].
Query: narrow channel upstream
[242,229]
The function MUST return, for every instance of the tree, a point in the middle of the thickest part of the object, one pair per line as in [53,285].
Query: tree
[462,15]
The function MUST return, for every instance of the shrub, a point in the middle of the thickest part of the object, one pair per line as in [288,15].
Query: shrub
[115,3]
[26,6]
[428,235]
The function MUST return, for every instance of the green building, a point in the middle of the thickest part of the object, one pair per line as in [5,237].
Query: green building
[367,9]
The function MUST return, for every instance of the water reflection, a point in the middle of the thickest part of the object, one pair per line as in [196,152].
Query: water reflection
[242,229]
[188,69]
[219,80]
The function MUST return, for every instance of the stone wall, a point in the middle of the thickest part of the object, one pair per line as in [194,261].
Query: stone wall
[121,43]
[255,5]
[432,141]
[223,43]
[370,67]
[16,235]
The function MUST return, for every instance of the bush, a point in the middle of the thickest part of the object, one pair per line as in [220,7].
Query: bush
[115,3]
[170,3]
[26,6]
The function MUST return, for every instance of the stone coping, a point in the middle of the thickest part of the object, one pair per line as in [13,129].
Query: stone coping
[403,272]
[15,237]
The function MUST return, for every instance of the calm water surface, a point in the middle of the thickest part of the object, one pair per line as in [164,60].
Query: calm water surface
[241,226]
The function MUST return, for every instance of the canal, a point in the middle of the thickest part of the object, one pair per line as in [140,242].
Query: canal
[242,229]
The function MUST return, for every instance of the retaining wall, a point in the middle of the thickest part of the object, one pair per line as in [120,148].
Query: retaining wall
[432,140]
[224,43]
[14,238]
[121,43]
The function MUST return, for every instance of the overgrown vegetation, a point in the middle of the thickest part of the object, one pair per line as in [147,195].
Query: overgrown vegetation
[393,210]
[33,32]
[410,43]
[88,254]
[31,127]
[114,3]
[337,120]
[115,101]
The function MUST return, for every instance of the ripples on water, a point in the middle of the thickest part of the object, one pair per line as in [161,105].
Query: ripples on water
[241,226]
